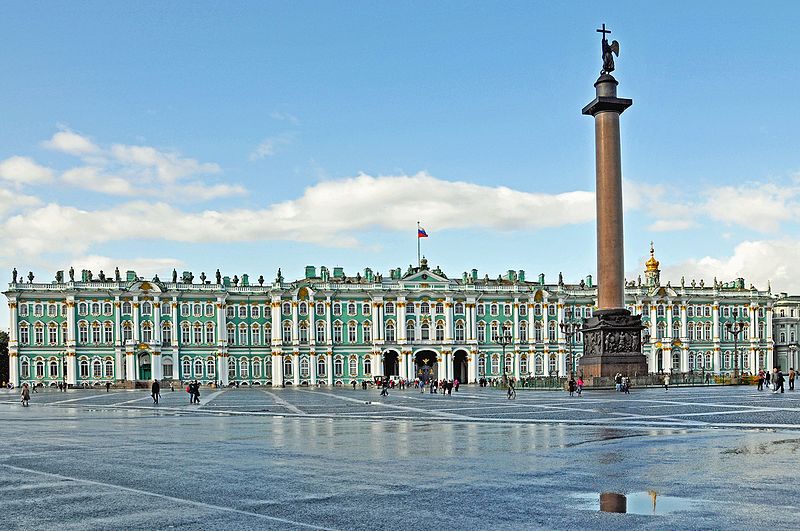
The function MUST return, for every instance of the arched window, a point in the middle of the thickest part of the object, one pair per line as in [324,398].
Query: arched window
[84,368]
[96,332]
[692,361]
[424,308]
[185,333]
[337,332]
[231,369]
[676,360]
[353,366]
[24,369]
[367,365]
[108,332]
[210,333]
[267,334]
[288,369]
[539,365]
[493,309]
[495,331]
[244,368]
[107,309]
[186,367]
[242,311]
[439,308]
[523,331]
[126,308]
[660,330]
[352,332]
[552,365]
[320,309]
[337,308]
[366,331]
[304,370]
[482,365]
[523,364]
[83,332]
[410,330]
[495,364]
[439,331]
[256,368]
[676,329]
[209,310]
[287,332]
[660,310]
[211,368]
[509,364]
[83,309]
[321,366]
[459,308]
[231,334]
[287,308]
[320,332]
[147,308]
[302,308]
[523,309]
[507,310]
[303,331]
[459,331]
[255,336]
[97,369]
[168,368]
[147,332]
[390,332]
[390,308]
[268,367]
[166,332]
[109,372]
[338,367]
[243,340]
[537,310]
[690,331]
[551,332]
[425,331]
[351,308]
[537,331]
[482,332]
[708,331]
[198,368]
[52,333]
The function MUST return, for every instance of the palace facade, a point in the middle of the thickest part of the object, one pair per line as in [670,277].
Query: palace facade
[330,328]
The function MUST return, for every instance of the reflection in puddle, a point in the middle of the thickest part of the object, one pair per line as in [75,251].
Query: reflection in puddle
[647,503]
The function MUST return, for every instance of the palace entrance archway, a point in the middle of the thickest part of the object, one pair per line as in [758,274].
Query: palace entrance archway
[425,365]
[145,367]
[391,363]
[460,366]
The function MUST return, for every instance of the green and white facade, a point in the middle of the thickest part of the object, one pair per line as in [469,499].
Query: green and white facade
[331,329]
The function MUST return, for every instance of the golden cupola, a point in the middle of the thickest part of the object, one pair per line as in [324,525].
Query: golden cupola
[652,263]
[652,273]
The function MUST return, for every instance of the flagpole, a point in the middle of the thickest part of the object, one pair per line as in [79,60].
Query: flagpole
[419,262]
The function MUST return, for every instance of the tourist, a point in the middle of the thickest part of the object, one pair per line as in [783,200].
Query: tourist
[108,386]
[626,385]
[384,388]
[791,378]
[572,385]
[579,386]
[196,392]
[354,385]
[708,378]
[777,380]
[455,384]
[155,391]
[761,379]
[25,395]
[666,382]
[618,381]
[767,377]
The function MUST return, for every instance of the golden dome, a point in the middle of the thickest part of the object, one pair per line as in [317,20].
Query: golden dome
[652,263]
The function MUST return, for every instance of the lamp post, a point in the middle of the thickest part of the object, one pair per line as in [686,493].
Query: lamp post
[570,329]
[504,340]
[64,370]
[793,352]
[735,328]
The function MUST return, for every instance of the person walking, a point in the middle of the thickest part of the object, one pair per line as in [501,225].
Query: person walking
[25,396]
[579,385]
[767,377]
[572,385]
[666,382]
[777,381]
[155,391]
[196,392]
[108,386]
[626,385]
[791,378]
[761,379]
[384,387]
[456,383]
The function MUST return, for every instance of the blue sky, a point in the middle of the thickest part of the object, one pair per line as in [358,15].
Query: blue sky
[146,135]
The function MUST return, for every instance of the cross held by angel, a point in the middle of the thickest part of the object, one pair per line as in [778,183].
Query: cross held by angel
[609,51]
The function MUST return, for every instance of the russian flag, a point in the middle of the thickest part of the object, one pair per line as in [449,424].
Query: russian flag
[421,233]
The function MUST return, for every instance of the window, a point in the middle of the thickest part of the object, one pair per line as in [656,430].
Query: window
[537,331]
[480,309]
[244,368]
[390,308]
[351,308]
[495,364]
[97,369]
[425,331]
[660,310]
[243,334]
[147,308]
[320,332]
[410,309]
[267,334]
[83,308]
[304,368]
[185,334]
[166,333]
[24,338]
[52,334]
[127,331]
[268,367]
[84,368]
[186,367]
[147,332]
[538,366]
[507,310]
[726,311]
[197,335]
[109,369]
[198,368]
[459,331]
[211,368]
[366,331]
[676,360]
[287,308]
[690,331]
[302,308]
[168,368]
[51,310]
[53,369]
[367,365]
[83,332]
[320,309]
[390,332]
[537,310]
[197,309]
[352,334]
[690,311]
[495,331]
[210,339]
[523,309]
[439,308]
[338,367]
[551,310]
[287,332]
[459,308]
[708,311]
[523,364]
[185,310]
[230,312]
[255,336]
[288,369]
[337,308]
[23,310]
[482,331]
[675,310]
[353,366]
[493,308]
[410,330]
[209,310]
[551,332]
[366,309]
[321,366]
[439,331]
[242,311]
[39,334]
[257,368]
[108,332]
[424,308]
[303,332]
[509,368]
[523,331]
[552,365]
[481,365]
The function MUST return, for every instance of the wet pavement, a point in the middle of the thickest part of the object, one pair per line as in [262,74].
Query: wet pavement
[343,459]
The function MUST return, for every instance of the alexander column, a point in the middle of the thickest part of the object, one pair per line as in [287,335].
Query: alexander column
[612,336]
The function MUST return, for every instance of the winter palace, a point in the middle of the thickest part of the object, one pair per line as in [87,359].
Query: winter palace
[331,328]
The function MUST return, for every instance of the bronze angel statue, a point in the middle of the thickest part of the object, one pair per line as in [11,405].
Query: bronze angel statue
[609,51]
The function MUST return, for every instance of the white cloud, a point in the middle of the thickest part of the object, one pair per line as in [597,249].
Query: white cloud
[10,201]
[760,206]
[756,261]
[665,225]
[270,145]
[90,178]
[22,170]
[146,267]
[199,191]
[328,213]
[285,116]
[168,166]
[70,142]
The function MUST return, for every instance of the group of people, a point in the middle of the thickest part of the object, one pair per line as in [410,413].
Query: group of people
[435,386]
[623,383]
[193,388]
[775,381]
[575,386]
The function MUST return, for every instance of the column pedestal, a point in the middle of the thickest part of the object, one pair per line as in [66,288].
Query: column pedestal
[612,343]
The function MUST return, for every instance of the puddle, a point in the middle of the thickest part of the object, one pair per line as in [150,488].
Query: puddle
[645,503]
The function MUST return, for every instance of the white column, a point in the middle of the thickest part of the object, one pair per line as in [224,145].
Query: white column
[448,320]
[157,320]
[276,325]
[403,367]
[653,327]
[545,324]
[561,359]
[401,320]
[176,329]
[135,305]
[296,368]
[684,359]
[515,313]
[559,320]
[13,352]
[717,360]
[222,368]
[377,364]
[472,316]
[295,327]
[715,315]
[328,322]
[312,325]
[472,367]
[329,361]
[119,358]
[684,321]
[516,363]
[375,321]
[70,322]
[531,331]
[72,367]
[157,371]
[277,367]
[312,367]
[131,374]
[669,321]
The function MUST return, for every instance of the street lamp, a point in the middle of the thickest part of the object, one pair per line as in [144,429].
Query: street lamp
[504,340]
[570,330]
[735,328]
[793,351]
